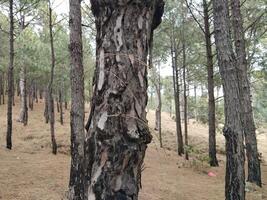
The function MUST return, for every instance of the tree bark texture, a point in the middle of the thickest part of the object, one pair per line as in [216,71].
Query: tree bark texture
[23,116]
[118,130]
[233,131]
[185,101]
[254,168]
[77,172]
[10,77]
[51,110]
[212,127]
[180,146]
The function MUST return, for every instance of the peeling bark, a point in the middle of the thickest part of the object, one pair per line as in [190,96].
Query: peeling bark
[118,131]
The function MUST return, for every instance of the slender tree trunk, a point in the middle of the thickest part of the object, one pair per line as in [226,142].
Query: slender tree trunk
[185,102]
[158,109]
[118,131]
[3,89]
[60,106]
[212,127]
[23,116]
[180,148]
[50,86]
[18,88]
[46,114]
[13,91]
[233,131]
[77,172]
[41,93]
[10,77]
[254,168]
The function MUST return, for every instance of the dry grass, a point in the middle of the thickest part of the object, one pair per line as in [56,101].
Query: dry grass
[31,172]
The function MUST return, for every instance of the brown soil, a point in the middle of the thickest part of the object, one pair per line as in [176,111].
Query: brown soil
[31,172]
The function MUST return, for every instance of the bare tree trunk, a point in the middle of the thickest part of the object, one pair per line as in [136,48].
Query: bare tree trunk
[159,106]
[77,171]
[180,146]
[23,116]
[60,106]
[3,89]
[50,86]
[185,101]
[10,77]
[254,168]
[233,131]
[212,127]
[118,131]
[46,114]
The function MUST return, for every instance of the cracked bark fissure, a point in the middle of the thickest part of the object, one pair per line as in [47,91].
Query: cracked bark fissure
[118,132]
[254,168]
[233,130]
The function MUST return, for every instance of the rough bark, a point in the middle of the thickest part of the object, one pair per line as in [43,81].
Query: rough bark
[10,77]
[77,176]
[211,116]
[254,168]
[50,86]
[233,131]
[118,131]
[176,88]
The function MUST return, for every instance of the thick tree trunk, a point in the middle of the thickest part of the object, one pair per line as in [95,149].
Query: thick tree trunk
[77,176]
[180,145]
[212,127]
[118,131]
[254,169]
[23,116]
[233,131]
[50,86]
[10,77]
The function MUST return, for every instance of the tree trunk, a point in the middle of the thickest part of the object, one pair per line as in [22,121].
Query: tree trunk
[185,101]
[46,114]
[10,77]
[41,93]
[77,178]
[60,106]
[158,109]
[118,131]
[233,132]
[180,148]
[50,86]
[1,88]
[212,127]
[254,169]
[23,116]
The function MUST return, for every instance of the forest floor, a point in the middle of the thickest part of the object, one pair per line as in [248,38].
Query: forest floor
[31,172]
